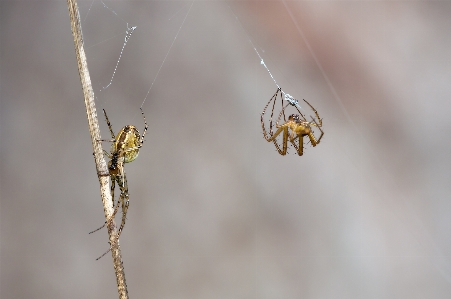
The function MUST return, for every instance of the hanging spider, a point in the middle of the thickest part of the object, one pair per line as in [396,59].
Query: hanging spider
[297,123]
[124,149]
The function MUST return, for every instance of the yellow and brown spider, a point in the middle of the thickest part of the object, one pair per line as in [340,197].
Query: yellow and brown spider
[296,123]
[124,149]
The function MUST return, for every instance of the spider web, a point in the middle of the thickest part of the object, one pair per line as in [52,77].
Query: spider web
[126,30]
[292,100]
[287,96]
[117,32]
[100,18]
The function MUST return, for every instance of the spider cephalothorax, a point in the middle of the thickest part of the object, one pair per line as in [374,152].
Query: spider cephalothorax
[294,117]
[113,164]
[296,127]
[124,149]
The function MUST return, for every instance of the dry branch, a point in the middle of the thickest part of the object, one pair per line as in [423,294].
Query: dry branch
[101,166]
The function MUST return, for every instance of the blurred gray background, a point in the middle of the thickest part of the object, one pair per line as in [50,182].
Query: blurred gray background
[215,211]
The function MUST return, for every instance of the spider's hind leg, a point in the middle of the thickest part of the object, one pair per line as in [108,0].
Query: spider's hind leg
[113,185]
[315,124]
[313,140]
[98,228]
[320,121]
[124,200]
[281,129]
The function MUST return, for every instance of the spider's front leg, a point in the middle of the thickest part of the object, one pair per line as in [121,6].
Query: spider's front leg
[109,125]
[284,129]
[299,148]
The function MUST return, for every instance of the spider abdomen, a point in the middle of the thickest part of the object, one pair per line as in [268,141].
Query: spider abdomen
[128,142]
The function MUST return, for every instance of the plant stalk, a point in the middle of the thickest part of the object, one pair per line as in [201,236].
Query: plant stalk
[101,165]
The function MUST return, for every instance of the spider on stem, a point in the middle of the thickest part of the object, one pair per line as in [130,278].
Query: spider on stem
[124,149]
[296,123]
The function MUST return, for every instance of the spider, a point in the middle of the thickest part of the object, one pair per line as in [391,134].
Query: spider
[297,123]
[124,149]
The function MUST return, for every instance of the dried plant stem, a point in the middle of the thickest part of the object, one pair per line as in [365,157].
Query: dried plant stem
[101,166]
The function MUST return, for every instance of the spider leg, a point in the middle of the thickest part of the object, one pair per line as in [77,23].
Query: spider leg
[273,99]
[293,138]
[113,186]
[312,139]
[283,128]
[283,107]
[319,128]
[107,154]
[320,121]
[103,254]
[115,210]
[106,140]
[145,127]
[109,125]
[98,228]
[283,152]
[124,199]
[299,148]
[280,115]
[273,139]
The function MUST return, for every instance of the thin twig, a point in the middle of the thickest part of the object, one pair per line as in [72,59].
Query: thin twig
[101,166]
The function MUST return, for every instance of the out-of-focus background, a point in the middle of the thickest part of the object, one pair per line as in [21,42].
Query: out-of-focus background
[215,211]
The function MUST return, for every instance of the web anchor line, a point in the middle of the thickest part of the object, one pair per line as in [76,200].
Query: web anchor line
[128,34]
[288,97]
[162,63]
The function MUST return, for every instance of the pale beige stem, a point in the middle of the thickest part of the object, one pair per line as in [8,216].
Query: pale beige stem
[101,166]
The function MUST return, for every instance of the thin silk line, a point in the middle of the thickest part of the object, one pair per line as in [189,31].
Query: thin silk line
[167,54]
